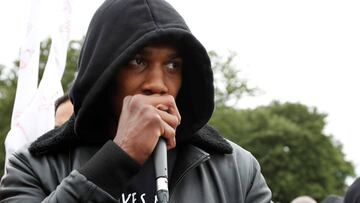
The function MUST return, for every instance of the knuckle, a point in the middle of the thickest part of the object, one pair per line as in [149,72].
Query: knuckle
[171,98]
[146,109]
[156,118]
[170,133]
[174,122]
[150,114]
[127,99]
[136,100]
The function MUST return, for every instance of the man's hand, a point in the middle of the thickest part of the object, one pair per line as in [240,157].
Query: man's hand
[143,120]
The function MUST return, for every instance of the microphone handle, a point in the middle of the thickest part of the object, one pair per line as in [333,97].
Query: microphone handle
[161,172]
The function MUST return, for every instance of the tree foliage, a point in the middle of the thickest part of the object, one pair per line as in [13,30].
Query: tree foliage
[8,82]
[296,157]
[229,87]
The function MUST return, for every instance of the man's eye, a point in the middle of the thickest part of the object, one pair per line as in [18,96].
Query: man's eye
[137,62]
[174,66]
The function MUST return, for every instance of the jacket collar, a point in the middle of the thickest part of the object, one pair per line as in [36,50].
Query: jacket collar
[207,139]
[210,140]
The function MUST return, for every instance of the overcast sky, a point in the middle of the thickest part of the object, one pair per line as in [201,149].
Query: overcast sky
[299,51]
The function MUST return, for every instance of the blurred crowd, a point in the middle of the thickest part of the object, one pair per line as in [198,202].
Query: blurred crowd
[352,196]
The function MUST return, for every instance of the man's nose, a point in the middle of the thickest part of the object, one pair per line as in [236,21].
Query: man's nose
[154,82]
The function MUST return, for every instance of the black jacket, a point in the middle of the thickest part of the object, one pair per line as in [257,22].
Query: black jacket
[197,177]
[78,162]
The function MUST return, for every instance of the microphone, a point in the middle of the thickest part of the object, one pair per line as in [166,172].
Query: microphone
[160,162]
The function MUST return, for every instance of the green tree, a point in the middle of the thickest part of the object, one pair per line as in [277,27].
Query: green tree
[296,157]
[229,87]
[8,82]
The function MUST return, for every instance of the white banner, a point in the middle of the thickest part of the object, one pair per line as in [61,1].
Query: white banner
[33,112]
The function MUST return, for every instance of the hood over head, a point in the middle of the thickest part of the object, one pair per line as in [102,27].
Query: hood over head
[119,29]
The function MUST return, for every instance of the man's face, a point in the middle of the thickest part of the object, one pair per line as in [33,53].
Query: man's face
[63,113]
[155,70]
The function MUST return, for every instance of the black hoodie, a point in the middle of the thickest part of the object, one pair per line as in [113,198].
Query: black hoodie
[117,31]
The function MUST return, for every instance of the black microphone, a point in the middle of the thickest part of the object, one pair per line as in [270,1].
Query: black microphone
[160,162]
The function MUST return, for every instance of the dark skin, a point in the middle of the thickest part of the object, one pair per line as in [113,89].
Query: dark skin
[145,100]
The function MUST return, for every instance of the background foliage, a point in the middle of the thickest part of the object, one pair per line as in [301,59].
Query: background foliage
[287,139]
[296,157]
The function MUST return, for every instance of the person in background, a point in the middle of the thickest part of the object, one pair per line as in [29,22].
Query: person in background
[63,110]
[333,199]
[142,76]
[303,199]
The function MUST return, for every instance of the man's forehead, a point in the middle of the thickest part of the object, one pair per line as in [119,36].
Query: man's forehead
[154,47]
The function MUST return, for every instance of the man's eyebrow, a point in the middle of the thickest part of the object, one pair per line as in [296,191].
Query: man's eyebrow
[148,52]
[175,55]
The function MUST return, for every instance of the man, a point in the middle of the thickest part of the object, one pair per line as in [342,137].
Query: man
[142,76]
[63,110]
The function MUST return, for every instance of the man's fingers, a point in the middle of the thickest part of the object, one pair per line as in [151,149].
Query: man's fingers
[170,119]
[169,123]
[169,135]
[162,102]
